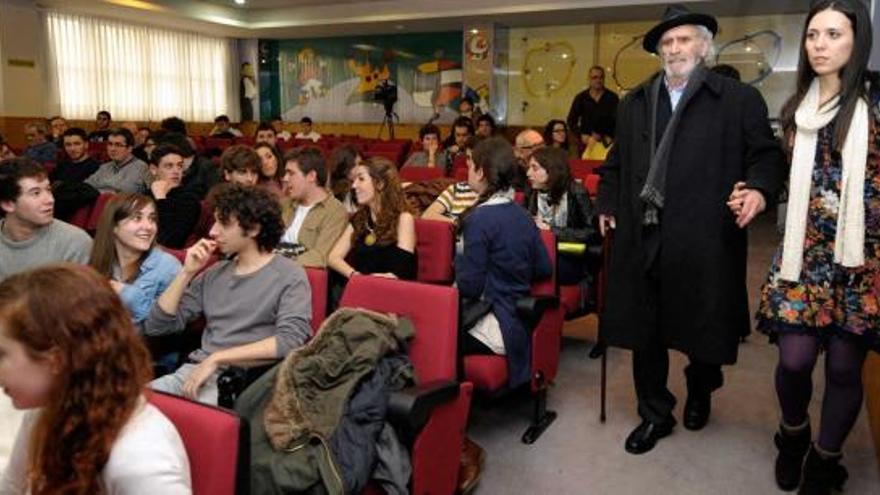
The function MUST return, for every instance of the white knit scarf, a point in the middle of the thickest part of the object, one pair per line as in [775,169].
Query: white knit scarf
[850,238]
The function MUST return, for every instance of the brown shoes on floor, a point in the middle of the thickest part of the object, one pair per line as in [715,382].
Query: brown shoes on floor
[472,458]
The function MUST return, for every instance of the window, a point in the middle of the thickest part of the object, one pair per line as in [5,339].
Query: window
[138,72]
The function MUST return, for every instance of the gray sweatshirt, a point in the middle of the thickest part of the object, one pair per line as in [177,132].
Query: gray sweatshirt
[275,301]
[56,242]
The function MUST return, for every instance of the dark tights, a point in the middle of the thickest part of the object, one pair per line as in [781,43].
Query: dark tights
[843,384]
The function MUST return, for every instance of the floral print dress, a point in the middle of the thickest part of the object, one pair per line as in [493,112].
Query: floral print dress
[829,298]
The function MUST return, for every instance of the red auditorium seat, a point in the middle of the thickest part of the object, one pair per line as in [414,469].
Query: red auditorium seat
[435,250]
[80,217]
[437,433]
[319,285]
[459,168]
[221,144]
[416,174]
[245,140]
[489,373]
[591,184]
[582,168]
[203,226]
[97,210]
[98,151]
[216,440]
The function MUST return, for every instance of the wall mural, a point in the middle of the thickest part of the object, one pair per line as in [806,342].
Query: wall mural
[334,79]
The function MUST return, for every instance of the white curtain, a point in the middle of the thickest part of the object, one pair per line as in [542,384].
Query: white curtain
[138,72]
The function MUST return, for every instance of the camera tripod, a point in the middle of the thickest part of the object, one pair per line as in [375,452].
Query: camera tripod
[388,121]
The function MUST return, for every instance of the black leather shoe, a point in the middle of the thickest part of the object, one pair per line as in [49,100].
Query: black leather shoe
[645,436]
[696,411]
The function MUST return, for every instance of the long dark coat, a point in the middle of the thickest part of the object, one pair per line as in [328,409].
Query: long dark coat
[723,137]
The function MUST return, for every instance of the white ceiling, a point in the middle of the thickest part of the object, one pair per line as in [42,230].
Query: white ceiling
[316,18]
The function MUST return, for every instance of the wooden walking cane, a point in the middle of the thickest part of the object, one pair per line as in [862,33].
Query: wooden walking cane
[600,304]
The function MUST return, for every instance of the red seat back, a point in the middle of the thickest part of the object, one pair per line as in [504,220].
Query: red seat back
[318,283]
[97,210]
[582,168]
[80,217]
[416,174]
[203,227]
[98,151]
[217,143]
[433,310]
[547,286]
[435,246]
[591,184]
[216,441]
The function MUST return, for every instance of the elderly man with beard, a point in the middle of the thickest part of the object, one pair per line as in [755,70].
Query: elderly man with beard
[687,138]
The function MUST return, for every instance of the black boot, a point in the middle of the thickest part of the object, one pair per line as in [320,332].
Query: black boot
[822,473]
[793,446]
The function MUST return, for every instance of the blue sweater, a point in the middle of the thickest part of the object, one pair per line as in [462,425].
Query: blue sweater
[503,253]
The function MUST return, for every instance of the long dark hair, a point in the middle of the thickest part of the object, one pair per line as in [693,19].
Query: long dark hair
[555,162]
[548,134]
[392,202]
[104,256]
[342,160]
[853,75]
[279,167]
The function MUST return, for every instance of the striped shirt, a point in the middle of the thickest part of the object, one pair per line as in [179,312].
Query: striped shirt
[457,198]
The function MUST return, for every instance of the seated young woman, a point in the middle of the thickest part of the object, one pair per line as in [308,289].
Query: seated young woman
[556,135]
[502,255]
[270,168]
[72,358]
[341,165]
[455,199]
[380,239]
[561,204]
[125,252]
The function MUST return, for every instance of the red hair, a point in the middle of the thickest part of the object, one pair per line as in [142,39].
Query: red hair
[70,315]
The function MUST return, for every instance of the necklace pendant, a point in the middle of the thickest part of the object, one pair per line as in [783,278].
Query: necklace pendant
[370,239]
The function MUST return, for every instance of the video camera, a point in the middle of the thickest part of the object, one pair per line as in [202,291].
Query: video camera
[386,94]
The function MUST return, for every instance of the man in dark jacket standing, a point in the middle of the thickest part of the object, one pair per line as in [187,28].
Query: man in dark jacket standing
[687,140]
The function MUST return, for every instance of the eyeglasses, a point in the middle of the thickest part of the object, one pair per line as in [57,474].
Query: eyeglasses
[111,144]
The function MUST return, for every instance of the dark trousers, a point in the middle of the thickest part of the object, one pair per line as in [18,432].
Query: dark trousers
[651,362]
[650,373]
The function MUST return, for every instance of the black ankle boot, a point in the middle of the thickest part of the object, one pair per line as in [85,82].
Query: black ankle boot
[822,474]
[792,447]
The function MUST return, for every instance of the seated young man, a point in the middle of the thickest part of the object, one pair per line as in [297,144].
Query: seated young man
[266,134]
[314,218]
[430,155]
[41,148]
[79,165]
[30,236]
[223,128]
[241,165]
[257,305]
[306,131]
[178,208]
[278,125]
[199,173]
[124,172]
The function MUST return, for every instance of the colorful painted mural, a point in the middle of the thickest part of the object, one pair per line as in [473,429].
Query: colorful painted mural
[334,79]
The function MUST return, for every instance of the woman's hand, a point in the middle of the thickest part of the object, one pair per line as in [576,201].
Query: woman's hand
[541,223]
[745,203]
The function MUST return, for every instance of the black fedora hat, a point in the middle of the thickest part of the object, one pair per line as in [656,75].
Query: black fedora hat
[676,15]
